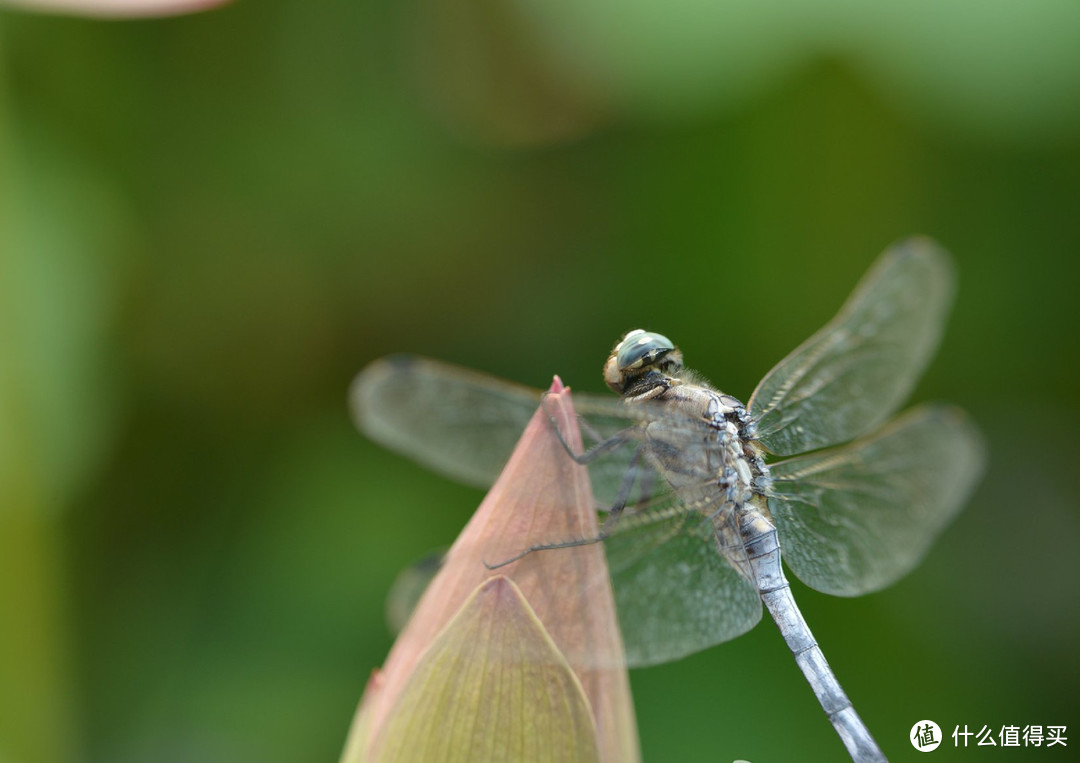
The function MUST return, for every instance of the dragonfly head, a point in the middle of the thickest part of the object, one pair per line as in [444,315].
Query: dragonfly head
[639,356]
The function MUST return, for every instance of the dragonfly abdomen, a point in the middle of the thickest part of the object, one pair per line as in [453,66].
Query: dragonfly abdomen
[762,557]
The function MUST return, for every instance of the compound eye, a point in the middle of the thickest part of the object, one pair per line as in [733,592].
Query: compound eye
[641,346]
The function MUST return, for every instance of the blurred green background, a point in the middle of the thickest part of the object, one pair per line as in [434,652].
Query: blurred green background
[209,224]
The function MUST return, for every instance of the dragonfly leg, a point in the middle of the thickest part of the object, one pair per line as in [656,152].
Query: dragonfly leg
[610,523]
[548,547]
[594,452]
[626,485]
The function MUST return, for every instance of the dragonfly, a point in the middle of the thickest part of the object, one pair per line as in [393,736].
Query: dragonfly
[701,495]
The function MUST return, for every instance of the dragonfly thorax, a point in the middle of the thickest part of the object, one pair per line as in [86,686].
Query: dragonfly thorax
[721,462]
[718,465]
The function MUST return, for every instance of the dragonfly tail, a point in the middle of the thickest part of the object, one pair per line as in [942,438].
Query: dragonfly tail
[763,557]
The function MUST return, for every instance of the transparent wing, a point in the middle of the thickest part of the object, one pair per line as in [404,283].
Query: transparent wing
[408,587]
[464,424]
[675,593]
[856,518]
[854,373]
[457,422]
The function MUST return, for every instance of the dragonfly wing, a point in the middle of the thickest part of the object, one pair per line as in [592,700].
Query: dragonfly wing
[853,373]
[675,593]
[408,587]
[457,422]
[856,518]
[465,424]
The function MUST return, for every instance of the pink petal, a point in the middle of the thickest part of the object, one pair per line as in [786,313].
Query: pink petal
[541,495]
[117,8]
